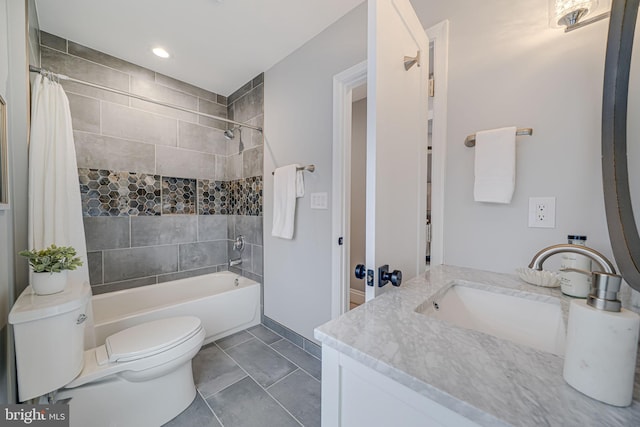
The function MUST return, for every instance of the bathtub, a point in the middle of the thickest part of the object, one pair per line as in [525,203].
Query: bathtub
[225,303]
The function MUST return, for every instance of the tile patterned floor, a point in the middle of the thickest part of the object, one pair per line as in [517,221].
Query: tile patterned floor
[253,378]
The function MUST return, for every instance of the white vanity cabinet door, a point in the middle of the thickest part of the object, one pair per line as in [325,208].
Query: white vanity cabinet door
[355,395]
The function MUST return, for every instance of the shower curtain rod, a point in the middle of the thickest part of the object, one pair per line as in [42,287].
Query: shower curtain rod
[34,69]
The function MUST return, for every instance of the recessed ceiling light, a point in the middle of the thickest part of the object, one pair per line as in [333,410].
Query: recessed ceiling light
[158,51]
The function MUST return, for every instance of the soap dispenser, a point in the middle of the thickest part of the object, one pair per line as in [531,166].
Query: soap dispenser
[602,344]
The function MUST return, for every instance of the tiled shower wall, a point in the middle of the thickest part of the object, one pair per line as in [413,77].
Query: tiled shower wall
[164,193]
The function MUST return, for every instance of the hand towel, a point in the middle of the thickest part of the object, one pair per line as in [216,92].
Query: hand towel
[495,165]
[286,189]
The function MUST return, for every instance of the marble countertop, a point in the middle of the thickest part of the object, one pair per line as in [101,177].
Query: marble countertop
[491,381]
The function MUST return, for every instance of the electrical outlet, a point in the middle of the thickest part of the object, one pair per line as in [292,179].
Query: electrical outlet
[542,212]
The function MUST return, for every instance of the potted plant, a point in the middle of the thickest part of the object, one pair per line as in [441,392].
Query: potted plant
[50,268]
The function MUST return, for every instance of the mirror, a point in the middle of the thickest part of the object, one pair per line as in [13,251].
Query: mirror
[4,187]
[621,139]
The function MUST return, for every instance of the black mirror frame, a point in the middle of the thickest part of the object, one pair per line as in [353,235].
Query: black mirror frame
[623,232]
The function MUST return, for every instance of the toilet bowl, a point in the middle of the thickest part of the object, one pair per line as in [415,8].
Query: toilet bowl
[140,376]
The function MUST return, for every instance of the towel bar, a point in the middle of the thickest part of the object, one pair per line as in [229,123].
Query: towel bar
[309,168]
[470,141]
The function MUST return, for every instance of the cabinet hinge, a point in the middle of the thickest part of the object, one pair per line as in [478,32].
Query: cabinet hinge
[432,87]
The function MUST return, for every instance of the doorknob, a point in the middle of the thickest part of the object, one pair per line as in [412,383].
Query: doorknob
[384,276]
[361,271]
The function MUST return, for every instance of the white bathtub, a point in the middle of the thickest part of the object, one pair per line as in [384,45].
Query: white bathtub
[225,303]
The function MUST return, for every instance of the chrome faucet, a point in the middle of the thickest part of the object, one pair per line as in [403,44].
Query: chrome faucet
[605,284]
[238,245]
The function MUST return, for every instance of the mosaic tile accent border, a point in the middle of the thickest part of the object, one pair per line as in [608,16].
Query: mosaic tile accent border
[213,197]
[111,193]
[178,195]
[246,196]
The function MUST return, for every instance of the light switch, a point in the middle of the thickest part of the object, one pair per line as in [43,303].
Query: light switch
[319,201]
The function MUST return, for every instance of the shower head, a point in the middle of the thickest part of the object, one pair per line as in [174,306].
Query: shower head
[229,133]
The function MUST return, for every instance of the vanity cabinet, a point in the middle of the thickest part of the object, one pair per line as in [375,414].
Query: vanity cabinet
[355,395]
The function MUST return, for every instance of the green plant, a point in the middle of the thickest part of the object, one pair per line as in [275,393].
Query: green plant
[54,259]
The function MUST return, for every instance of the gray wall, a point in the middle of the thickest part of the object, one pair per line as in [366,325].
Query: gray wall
[162,190]
[299,129]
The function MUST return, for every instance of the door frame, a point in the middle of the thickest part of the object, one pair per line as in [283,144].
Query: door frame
[343,85]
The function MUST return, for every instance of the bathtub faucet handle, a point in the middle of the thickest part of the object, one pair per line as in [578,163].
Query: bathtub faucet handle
[238,245]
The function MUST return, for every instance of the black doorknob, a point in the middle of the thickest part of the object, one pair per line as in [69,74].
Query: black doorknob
[361,271]
[384,276]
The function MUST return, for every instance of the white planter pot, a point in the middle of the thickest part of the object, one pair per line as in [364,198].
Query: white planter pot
[48,283]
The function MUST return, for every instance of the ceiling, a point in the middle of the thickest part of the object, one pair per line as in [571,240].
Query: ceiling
[218,45]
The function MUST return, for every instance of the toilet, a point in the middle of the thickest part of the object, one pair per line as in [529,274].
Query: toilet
[140,376]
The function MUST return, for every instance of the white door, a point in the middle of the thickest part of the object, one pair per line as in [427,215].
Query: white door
[397,107]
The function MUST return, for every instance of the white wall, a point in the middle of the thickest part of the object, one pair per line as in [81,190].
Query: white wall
[298,129]
[358,195]
[506,67]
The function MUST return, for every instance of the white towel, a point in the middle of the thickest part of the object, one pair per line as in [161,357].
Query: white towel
[288,185]
[495,165]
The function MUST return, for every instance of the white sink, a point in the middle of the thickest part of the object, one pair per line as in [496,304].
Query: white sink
[528,319]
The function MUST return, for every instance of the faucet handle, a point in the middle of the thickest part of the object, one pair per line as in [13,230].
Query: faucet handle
[604,291]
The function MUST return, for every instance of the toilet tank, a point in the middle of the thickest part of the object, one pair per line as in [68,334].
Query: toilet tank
[49,338]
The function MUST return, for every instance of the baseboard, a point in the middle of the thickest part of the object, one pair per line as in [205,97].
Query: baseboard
[356,296]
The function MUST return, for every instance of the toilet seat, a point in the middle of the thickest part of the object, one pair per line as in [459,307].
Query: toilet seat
[147,339]
[151,346]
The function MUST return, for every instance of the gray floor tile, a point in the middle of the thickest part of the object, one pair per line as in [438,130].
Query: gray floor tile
[245,404]
[261,362]
[213,370]
[235,339]
[196,415]
[265,335]
[300,394]
[300,357]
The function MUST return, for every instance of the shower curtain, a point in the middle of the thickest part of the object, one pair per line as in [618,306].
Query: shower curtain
[55,211]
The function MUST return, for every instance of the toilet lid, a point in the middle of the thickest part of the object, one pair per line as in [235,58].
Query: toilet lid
[150,338]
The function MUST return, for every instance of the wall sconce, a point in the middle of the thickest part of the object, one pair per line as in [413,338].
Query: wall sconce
[570,13]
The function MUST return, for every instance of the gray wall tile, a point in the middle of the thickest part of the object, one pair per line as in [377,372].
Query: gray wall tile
[158,92]
[201,138]
[234,167]
[94,262]
[257,260]
[125,284]
[184,163]
[106,232]
[203,254]
[283,331]
[215,109]
[123,264]
[163,230]
[187,88]
[106,152]
[250,227]
[81,69]
[221,166]
[212,227]
[109,61]
[249,105]
[53,41]
[252,161]
[231,227]
[242,91]
[138,125]
[85,113]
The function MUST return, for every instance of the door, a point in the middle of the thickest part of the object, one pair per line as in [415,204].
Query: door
[397,108]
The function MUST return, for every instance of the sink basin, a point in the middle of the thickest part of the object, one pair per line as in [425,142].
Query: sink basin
[523,318]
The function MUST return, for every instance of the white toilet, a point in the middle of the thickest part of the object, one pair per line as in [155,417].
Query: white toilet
[141,376]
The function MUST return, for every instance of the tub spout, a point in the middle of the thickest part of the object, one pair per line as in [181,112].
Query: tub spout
[234,262]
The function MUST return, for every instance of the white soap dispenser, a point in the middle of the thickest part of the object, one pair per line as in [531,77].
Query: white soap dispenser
[602,344]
